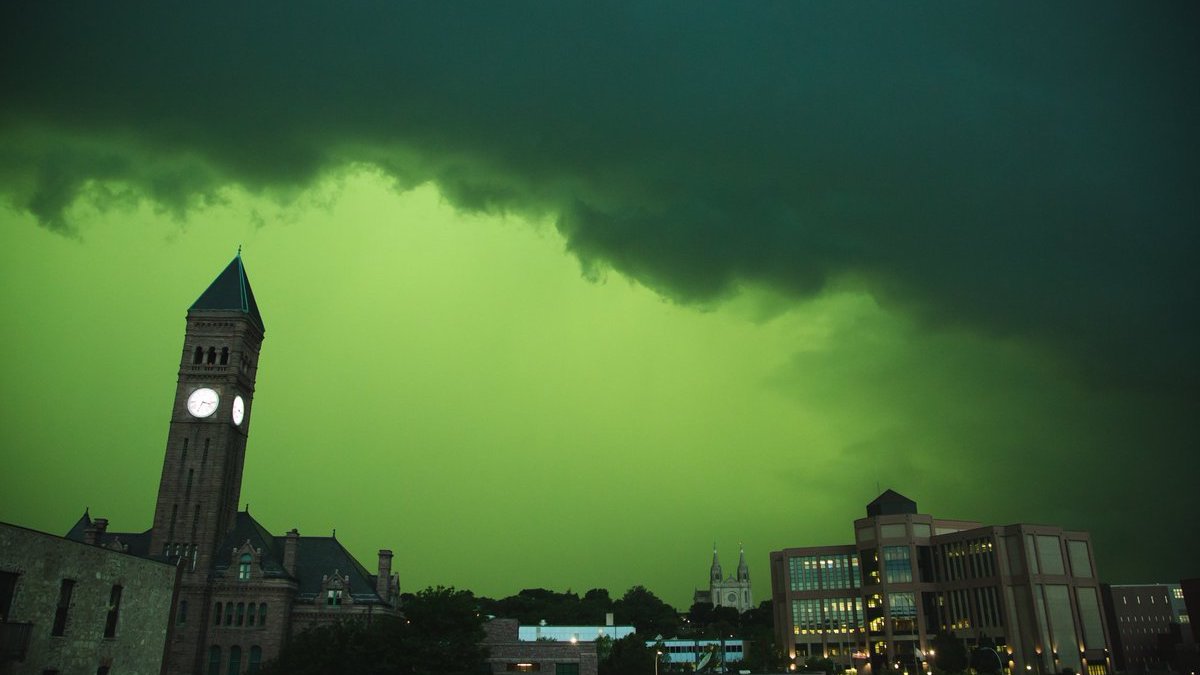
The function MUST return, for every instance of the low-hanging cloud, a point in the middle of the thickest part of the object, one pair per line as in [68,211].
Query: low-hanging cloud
[1025,170]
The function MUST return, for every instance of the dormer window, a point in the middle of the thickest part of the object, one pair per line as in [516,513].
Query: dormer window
[333,597]
[244,567]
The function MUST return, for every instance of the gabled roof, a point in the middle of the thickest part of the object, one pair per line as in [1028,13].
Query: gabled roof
[320,556]
[230,291]
[891,503]
[137,543]
[316,557]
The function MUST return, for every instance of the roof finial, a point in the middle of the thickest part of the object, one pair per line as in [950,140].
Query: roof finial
[239,250]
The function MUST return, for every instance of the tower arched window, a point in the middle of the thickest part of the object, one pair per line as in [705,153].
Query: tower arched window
[262,614]
[199,355]
[212,355]
[217,615]
[224,356]
[244,567]
[229,614]
[214,660]
[235,660]
[241,613]
[255,659]
[181,615]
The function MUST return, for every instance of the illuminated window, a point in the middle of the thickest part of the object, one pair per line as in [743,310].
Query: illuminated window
[523,667]
[244,567]
[333,597]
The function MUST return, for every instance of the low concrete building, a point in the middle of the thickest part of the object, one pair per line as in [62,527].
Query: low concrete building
[75,608]
[510,654]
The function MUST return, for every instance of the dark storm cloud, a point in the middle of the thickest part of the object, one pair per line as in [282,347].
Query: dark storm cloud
[1025,170]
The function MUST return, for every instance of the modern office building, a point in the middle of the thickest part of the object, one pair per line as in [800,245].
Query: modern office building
[1031,591]
[1149,624]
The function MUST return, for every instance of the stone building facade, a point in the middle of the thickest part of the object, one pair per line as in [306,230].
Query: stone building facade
[71,608]
[243,592]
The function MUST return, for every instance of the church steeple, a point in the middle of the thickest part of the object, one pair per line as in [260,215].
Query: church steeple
[230,291]
[714,572]
[743,571]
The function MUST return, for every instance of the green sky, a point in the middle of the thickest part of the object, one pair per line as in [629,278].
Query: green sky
[558,296]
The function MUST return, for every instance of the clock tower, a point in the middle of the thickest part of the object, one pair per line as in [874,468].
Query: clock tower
[210,420]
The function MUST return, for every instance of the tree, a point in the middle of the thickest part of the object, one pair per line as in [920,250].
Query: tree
[949,654]
[440,633]
[648,614]
[629,656]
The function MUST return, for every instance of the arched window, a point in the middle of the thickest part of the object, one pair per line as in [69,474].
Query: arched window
[224,356]
[214,660]
[199,356]
[241,613]
[181,615]
[251,612]
[262,614]
[229,614]
[212,355]
[255,659]
[244,567]
[235,660]
[217,615]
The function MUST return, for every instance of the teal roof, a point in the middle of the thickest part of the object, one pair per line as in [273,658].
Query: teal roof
[230,291]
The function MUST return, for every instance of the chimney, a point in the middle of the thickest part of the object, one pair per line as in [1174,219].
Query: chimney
[94,533]
[290,546]
[384,578]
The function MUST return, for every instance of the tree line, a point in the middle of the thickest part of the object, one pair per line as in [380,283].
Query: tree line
[441,631]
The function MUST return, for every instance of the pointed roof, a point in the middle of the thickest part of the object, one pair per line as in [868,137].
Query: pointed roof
[891,503]
[315,558]
[230,291]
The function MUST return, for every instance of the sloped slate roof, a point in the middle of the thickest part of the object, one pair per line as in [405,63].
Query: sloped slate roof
[137,543]
[316,557]
[231,291]
[319,556]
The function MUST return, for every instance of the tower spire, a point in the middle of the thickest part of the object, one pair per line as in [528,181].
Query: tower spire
[743,570]
[714,573]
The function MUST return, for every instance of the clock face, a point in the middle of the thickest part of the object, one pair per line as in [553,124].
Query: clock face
[203,402]
[239,410]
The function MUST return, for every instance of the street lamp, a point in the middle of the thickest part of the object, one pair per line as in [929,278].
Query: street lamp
[657,656]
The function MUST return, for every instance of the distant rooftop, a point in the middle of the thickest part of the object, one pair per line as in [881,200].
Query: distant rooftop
[891,503]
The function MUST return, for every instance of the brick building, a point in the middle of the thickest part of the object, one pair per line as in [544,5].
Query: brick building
[508,653]
[243,591]
[70,608]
